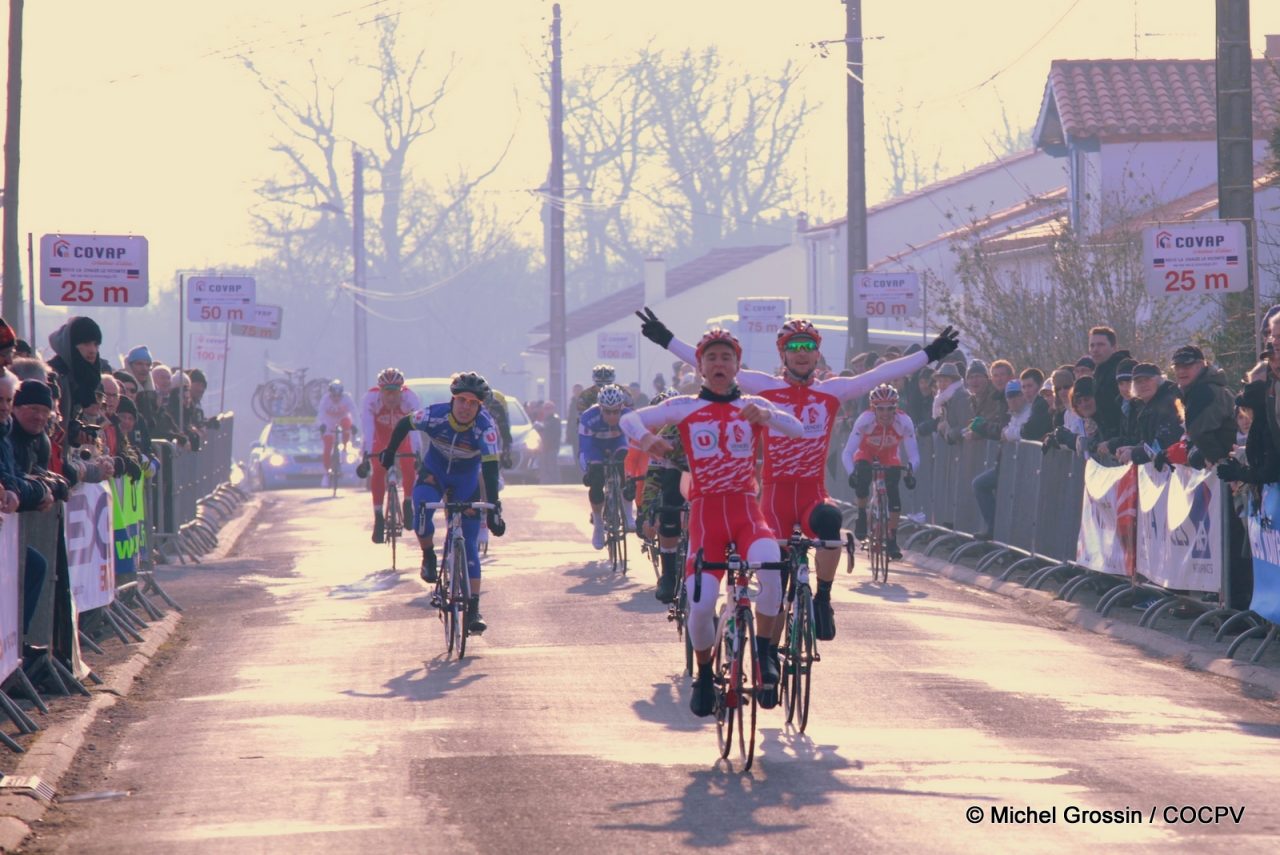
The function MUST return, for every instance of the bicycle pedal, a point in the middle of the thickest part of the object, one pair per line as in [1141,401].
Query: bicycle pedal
[817,657]
[436,602]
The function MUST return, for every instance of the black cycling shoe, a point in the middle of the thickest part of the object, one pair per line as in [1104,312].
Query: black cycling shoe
[824,618]
[475,623]
[429,573]
[702,701]
[891,547]
[378,526]
[860,526]
[666,592]
[767,657]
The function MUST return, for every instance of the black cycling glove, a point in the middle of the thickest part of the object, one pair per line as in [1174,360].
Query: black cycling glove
[944,344]
[493,519]
[909,480]
[653,329]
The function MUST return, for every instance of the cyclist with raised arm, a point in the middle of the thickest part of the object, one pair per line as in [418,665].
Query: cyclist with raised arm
[336,411]
[660,497]
[601,443]
[461,447]
[794,483]
[385,404]
[876,437]
[721,429]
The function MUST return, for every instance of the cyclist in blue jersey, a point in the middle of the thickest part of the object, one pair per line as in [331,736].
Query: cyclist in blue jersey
[461,447]
[601,443]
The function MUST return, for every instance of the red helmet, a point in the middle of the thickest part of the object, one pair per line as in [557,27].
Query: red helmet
[718,336]
[798,327]
[884,394]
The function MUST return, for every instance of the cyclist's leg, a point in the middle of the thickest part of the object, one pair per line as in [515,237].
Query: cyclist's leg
[780,504]
[762,546]
[427,490]
[892,479]
[712,541]
[378,489]
[861,490]
[824,523]
[669,532]
[593,479]
[329,439]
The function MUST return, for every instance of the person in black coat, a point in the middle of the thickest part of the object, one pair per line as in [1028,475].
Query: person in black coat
[1155,417]
[77,364]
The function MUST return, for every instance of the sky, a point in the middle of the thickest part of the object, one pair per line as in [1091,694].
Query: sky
[139,117]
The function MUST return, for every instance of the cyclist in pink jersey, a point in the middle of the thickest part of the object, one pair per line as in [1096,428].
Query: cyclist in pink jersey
[876,437]
[794,484]
[720,429]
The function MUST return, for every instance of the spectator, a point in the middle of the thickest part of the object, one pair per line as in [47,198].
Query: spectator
[1039,420]
[128,385]
[1209,407]
[659,384]
[77,363]
[1107,359]
[952,410]
[638,398]
[1083,368]
[110,403]
[8,344]
[917,395]
[988,401]
[1124,379]
[1080,433]
[1155,420]
[984,486]
[1001,373]
[1063,379]
[19,491]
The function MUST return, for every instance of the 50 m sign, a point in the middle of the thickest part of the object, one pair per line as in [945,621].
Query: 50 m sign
[93,270]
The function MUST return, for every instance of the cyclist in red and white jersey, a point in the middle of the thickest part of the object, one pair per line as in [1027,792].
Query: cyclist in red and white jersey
[877,435]
[386,403]
[794,483]
[335,411]
[720,429]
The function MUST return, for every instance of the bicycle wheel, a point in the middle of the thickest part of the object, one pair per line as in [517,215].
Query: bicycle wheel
[749,679]
[310,396]
[335,467]
[882,537]
[725,665]
[790,661]
[444,598]
[273,399]
[461,594]
[805,657]
[391,520]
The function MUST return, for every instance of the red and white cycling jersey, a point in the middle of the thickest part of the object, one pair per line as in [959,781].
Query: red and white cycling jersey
[872,441]
[378,420]
[804,458]
[719,442]
[331,413]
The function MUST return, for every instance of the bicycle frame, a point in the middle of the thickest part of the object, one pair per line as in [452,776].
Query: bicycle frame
[453,585]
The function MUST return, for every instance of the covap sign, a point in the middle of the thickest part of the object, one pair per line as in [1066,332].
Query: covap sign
[1209,257]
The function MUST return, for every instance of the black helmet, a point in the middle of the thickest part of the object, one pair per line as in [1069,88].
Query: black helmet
[470,382]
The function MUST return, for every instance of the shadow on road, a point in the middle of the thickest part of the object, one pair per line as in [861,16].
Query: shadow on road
[890,592]
[597,578]
[669,706]
[643,602]
[437,678]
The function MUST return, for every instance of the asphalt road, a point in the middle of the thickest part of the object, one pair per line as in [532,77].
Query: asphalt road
[307,708]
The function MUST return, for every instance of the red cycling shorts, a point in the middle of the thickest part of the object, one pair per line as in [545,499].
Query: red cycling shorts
[787,504]
[717,520]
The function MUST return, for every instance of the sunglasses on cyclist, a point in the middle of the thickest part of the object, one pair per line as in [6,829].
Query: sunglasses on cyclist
[801,344]
[886,408]
[393,387]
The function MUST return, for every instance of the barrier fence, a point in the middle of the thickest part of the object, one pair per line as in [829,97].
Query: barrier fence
[84,571]
[1123,533]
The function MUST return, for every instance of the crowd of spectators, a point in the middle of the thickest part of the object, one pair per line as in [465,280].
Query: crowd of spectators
[72,419]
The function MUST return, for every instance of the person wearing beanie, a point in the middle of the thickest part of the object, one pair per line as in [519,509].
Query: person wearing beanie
[78,364]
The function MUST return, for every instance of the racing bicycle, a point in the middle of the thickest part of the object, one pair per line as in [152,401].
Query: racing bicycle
[393,515]
[877,540]
[452,593]
[800,647]
[735,671]
[615,519]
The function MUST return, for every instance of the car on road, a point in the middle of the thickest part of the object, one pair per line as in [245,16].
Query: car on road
[289,453]
[526,443]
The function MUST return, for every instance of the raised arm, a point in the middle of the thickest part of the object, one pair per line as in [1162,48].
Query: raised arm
[849,388]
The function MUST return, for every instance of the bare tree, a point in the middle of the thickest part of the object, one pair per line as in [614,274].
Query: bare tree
[1009,139]
[908,170]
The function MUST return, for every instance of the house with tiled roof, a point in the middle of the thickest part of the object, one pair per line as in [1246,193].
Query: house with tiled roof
[684,296]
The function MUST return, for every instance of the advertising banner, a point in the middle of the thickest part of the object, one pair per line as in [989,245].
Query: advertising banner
[1108,520]
[1264,538]
[90,547]
[10,621]
[126,517]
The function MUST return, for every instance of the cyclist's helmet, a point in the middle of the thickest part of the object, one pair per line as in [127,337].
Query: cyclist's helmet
[469,382]
[718,336]
[663,395]
[335,387]
[390,377]
[884,394]
[603,375]
[612,398]
[797,328]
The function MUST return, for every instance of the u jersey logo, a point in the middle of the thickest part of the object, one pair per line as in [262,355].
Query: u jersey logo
[705,439]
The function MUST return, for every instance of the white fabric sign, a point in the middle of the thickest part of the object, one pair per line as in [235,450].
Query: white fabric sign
[90,547]
[10,619]
[1108,510]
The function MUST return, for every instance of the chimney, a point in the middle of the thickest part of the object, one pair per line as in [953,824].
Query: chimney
[1273,47]
[655,281]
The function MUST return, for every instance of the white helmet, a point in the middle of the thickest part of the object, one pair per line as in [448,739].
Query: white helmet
[612,398]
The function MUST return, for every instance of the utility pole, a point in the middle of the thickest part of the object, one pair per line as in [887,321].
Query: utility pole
[856,219]
[1234,83]
[358,275]
[11,304]
[555,258]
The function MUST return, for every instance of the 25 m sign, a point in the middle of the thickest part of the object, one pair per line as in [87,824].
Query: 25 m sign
[93,270]
[1209,257]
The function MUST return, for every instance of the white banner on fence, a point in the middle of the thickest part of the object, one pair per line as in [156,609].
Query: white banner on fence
[10,622]
[1179,540]
[90,547]
[1108,516]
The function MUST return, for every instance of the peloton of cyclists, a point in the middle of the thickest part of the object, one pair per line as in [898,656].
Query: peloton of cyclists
[336,411]
[794,479]
[461,449]
[385,404]
[601,443]
[721,429]
[876,436]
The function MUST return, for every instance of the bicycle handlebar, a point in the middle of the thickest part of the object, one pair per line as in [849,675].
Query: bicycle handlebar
[460,506]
